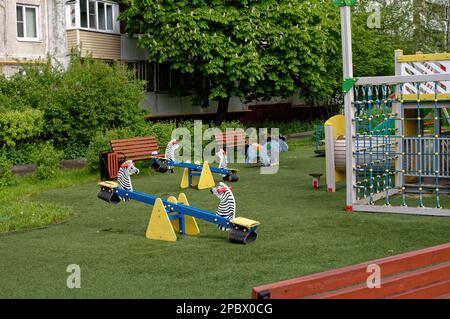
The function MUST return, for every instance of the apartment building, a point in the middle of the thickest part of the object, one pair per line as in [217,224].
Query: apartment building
[33,30]
[30,31]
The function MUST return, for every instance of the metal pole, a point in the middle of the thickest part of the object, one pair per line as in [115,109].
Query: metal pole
[329,150]
[347,62]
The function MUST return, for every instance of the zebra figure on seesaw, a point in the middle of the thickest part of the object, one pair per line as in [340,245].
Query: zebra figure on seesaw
[227,205]
[126,170]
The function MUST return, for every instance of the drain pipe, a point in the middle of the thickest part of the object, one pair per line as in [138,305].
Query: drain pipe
[47,22]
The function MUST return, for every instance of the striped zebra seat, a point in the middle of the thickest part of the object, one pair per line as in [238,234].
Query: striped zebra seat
[135,149]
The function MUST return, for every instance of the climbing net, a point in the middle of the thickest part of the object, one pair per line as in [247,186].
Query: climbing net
[399,147]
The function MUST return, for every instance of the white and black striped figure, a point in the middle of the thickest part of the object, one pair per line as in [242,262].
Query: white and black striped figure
[126,170]
[227,205]
[172,146]
[223,160]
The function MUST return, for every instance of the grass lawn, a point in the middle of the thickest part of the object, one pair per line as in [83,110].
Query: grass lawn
[302,231]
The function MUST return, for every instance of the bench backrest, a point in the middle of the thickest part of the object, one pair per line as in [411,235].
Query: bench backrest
[234,138]
[138,148]
[415,274]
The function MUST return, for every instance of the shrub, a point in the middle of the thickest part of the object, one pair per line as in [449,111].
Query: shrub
[30,87]
[91,97]
[17,125]
[68,107]
[6,176]
[46,158]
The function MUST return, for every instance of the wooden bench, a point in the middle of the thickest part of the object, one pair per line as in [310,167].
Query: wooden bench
[419,274]
[136,149]
[228,139]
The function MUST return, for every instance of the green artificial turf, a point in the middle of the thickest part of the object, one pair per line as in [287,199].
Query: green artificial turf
[302,231]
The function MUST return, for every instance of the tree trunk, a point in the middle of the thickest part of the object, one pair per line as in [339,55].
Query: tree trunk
[222,110]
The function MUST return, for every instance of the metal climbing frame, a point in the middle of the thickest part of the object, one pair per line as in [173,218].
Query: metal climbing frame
[392,153]
[387,151]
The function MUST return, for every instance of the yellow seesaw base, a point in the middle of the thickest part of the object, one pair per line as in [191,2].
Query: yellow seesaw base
[160,227]
[205,181]
[190,224]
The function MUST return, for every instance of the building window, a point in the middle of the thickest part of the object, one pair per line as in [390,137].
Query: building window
[101,16]
[96,15]
[144,71]
[73,14]
[83,13]
[109,17]
[92,15]
[163,83]
[27,22]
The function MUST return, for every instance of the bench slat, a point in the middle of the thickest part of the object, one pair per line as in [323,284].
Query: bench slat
[135,153]
[446,296]
[428,292]
[135,148]
[134,139]
[394,285]
[132,147]
[347,276]
[232,138]
[139,158]
[151,142]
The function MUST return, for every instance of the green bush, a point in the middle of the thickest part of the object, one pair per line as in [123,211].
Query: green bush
[31,87]
[16,126]
[69,106]
[20,154]
[91,97]
[46,158]
[6,176]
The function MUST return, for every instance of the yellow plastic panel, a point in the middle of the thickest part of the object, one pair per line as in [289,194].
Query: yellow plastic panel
[160,227]
[190,224]
[206,178]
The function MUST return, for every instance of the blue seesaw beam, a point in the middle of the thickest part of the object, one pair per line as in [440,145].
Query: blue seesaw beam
[241,230]
[197,167]
[175,208]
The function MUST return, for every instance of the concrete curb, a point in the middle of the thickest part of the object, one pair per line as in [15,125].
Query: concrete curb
[64,164]
[299,136]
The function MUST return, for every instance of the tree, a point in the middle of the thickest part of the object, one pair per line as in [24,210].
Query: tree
[413,25]
[246,48]
[373,50]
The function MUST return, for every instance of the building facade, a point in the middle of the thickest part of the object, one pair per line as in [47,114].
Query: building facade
[34,30]
[30,34]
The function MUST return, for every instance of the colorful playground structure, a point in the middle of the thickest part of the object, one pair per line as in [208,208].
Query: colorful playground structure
[171,216]
[380,146]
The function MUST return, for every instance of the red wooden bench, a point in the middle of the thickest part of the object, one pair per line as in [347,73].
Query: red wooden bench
[136,149]
[419,274]
[231,139]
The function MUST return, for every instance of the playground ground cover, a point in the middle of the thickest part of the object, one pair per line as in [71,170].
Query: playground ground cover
[302,231]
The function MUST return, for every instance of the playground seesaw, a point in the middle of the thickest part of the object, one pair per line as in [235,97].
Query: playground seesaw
[195,175]
[173,216]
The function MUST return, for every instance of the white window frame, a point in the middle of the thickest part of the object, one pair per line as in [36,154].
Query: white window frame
[114,9]
[69,25]
[38,29]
